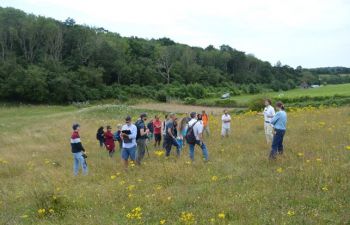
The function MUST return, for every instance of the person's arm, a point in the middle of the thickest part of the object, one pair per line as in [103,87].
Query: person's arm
[133,133]
[275,118]
[144,131]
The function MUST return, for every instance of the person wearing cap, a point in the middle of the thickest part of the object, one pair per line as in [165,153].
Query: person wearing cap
[197,126]
[141,137]
[109,141]
[128,136]
[205,119]
[170,138]
[269,113]
[226,124]
[78,151]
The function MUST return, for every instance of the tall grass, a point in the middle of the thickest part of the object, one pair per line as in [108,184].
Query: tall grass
[308,185]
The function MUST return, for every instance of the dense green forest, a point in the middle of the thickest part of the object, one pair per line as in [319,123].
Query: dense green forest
[43,60]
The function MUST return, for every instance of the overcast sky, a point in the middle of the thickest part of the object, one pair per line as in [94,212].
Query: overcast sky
[310,33]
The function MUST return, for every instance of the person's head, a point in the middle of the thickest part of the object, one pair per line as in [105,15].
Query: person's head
[279,106]
[172,116]
[109,128]
[119,127]
[143,116]
[128,120]
[76,127]
[101,128]
[166,116]
[225,111]
[156,117]
[199,116]
[193,115]
[267,102]
[203,112]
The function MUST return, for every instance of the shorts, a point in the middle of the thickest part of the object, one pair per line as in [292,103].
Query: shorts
[157,137]
[225,131]
[129,152]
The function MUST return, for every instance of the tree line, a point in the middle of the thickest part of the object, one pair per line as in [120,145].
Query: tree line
[45,60]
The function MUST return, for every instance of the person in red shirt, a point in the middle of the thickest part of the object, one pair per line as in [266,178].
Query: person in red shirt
[109,141]
[157,131]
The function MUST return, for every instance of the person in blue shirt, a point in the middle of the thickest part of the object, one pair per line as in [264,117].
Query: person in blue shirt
[279,122]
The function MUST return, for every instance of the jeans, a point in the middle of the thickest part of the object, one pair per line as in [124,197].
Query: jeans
[169,143]
[79,161]
[277,143]
[204,150]
[141,149]
[101,142]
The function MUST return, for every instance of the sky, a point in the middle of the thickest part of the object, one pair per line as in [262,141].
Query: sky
[310,33]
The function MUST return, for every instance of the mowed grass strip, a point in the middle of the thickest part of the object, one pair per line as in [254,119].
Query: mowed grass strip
[308,185]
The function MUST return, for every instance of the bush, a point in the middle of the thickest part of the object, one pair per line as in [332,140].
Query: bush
[161,96]
[190,101]
[226,103]
[256,104]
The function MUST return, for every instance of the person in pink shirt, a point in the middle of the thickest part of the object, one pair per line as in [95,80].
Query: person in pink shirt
[157,131]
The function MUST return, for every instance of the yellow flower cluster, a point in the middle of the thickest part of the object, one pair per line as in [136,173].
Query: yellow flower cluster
[159,153]
[162,221]
[3,161]
[214,178]
[187,218]
[135,214]
[290,213]
[221,215]
[279,170]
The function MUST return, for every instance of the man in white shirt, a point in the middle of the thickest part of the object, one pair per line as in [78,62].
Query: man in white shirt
[128,136]
[226,124]
[197,125]
[269,113]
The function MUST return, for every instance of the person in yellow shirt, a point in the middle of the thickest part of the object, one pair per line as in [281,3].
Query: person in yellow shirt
[205,119]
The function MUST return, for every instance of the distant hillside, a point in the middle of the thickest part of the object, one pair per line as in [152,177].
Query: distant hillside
[45,60]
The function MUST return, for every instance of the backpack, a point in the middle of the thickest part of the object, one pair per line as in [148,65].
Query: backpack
[190,138]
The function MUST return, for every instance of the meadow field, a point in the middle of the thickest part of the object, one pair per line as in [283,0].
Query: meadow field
[309,184]
[323,91]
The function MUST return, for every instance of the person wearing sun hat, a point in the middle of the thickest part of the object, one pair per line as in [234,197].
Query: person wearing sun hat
[78,151]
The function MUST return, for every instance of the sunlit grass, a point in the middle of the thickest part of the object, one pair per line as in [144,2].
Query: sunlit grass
[308,185]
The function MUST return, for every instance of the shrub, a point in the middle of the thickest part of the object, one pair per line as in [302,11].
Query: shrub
[256,104]
[161,96]
[190,101]
[226,102]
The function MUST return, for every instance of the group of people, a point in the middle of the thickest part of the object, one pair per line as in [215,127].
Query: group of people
[133,138]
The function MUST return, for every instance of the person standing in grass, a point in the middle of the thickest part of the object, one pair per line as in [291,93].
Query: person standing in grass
[170,138]
[117,136]
[128,136]
[196,125]
[182,128]
[279,122]
[205,119]
[269,113]
[164,129]
[78,151]
[151,130]
[142,134]
[109,141]
[157,130]
[99,136]
[226,124]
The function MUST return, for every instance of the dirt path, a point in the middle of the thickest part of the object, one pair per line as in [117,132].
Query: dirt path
[179,108]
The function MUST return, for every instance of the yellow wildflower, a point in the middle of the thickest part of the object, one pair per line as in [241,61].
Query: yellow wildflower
[162,221]
[300,154]
[41,211]
[214,178]
[307,160]
[319,160]
[290,213]
[348,147]
[221,215]
[24,216]
[279,170]
[325,188]
[131,187]
[51,211]
[169,198]
[159,153]
[113,177]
